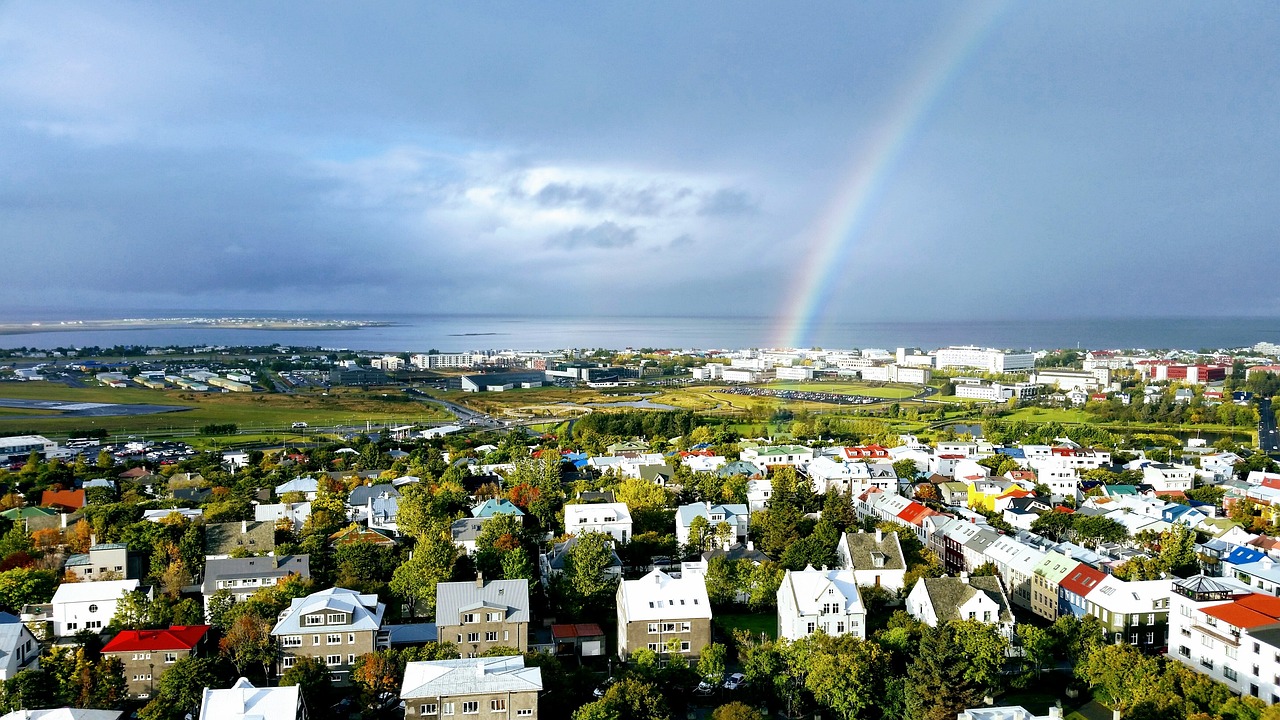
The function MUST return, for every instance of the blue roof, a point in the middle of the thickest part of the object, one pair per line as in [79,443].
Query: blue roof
[1012,452]
[1244,555]
[492,507]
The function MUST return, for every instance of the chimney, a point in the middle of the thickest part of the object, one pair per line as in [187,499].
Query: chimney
[480,582]
[1055,713]
[244,526]
[964,576]
[879,536]
[480,668]
[751,546]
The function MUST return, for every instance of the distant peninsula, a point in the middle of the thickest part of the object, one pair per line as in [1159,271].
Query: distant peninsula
[224,323]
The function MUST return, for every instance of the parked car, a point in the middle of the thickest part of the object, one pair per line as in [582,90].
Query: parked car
[734,681]
[603,687]
[706,687]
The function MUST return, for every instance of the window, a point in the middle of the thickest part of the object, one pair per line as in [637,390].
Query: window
[986,616]
[1151,638]
[491,636]
[684,646]
[93,608]
[1151,619]
[93,624]
[495,617]
[973,615]
[473,637]
[1256,648]
[470,707]
[499,705]
[1229,672]
[468,618]
[287,661]
[336,618]
[315,639]
[333,639]
[446,708]
[170,657]
[506,635]
[351,638]
[427,709]
[314,620]
[351,659]
[524,713]
[656,647]
[653,628]
[333,660]
[71,626]
[812,627]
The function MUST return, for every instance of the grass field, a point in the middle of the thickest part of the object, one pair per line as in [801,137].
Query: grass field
[247,410]
[1044,415]
[754,623]
[880,390]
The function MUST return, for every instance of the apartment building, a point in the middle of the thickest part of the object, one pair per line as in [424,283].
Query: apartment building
[480,615]
[335,626]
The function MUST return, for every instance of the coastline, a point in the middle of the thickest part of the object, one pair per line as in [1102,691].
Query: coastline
[189,323]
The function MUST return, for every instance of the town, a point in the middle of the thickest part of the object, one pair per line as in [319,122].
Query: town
[289,532]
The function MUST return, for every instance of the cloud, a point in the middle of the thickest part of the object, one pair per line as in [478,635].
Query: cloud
[606,236]
[729,201]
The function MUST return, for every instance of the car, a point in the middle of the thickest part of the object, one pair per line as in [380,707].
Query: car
[734,681]
[706,687]
[603,687]
[299,426]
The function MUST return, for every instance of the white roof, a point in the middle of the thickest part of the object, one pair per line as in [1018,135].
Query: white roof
[596,513]
[63,714]
[469,676]
[1129,597]
[90,591]
[809,588]
[658,596]
[243,701]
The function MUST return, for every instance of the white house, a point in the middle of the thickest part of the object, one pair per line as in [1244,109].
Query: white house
[19,648]
[1219,629]
[763,457]
[295,513]
[736,515]
[87,606]
[758,494]
[938,600]
[243,701]
[611,518]
[308,486]
[875,559]
[658,611]
[1165,477]
[829,600]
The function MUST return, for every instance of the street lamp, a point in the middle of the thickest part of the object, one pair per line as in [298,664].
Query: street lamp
[151,679]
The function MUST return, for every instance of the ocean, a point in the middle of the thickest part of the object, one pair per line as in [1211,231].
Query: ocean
[455,332]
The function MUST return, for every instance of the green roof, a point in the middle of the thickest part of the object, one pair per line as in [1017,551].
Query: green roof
[27,512]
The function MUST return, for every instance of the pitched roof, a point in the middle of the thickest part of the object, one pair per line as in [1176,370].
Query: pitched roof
[355,533]
[576,630]
[453,598]
[100,590]
[1081,580]
[243,701]
[364,493]
[225,538]
[470,676]
[177,637]
[73,499]
[947,594]
[864,551]
[493,506]
[658,596]
[365,611]
[1240,614]
[216,569]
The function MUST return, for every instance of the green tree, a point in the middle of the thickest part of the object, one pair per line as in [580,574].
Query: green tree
[586,585]
[433,560]
[1054,525]
[248,642]
[313,679]
[737,711]
[1178,551]
[627,699]
[711,663]
[939,684]
[179,689]
[26,586]
[1127,676]
[846,681]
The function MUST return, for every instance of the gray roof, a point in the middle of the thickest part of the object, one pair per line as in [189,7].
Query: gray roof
[412,634]
[863,550]
[225,538]
[361,495]
[948,593]
[737,552]
[365,611]
[467,528]
[216,569]
[454,598]
[560,552]
[10,637]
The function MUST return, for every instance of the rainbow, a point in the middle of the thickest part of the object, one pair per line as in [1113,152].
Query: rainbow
[837,230]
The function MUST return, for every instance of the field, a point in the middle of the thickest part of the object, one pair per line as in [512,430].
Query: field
[754,623]
[249,411]
[887,391]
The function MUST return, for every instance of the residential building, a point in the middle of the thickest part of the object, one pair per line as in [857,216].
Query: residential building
[489,687]
[481,615]
[347,621]
[295,514]
[1165,477]
[19,648]
[87,606]
[664,614]
[466,531]
[65,501]
[1136,612]
[829,600]
[146,654]
[552,563]
[243,701]
[63,713]
[988,360]
[1016,563]
[221,540]
[1078,583]
[1008,712]
[764,457]
[242,577]
[610,518]
[735,515]
[104,561]
[875,559]
[934,601]
[1227,633]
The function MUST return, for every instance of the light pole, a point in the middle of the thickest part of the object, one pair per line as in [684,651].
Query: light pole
[151,678]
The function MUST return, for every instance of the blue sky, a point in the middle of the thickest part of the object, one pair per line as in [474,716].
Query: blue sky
[1082,159]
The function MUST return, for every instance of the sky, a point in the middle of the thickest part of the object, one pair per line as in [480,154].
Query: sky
[828,160]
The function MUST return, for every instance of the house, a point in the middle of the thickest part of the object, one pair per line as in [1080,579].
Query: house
[875,559]
[362,494]
[1221,630]
[64,713]
[223,539]
[552,563]
[243,701]
[484,614]
[1016,563]
[142,652]
[242,577]
[496,506]
[611,518]
[163,514]
[664,614]
[295,513]
[1136,612]
[1046,581]
[356,534]
[19,648]
[65,501]
[934,601]
[87,606]
[829,600]
[347,621]
[1008,712]
[308,486]
[466,531]
[735,515]
[1077,584]
[494,687]
[580,639]
[764,457]
[742,468]
[104,561]
[1021,512]
[382,511]
[1165,477]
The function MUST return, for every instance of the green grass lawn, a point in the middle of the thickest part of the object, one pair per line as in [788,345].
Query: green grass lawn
[880,390]
[755,623]
[1045,415]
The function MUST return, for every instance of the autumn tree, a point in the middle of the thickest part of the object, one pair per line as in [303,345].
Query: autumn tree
[248,642]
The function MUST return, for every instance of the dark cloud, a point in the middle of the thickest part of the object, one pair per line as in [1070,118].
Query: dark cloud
[606,235]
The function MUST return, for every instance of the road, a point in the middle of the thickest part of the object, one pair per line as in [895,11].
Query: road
[1268,438]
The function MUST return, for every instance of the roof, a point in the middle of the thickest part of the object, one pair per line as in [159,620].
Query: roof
[365,611]
[225,538]
[412,633]
[454,598]
[863,549]
[355,533]
[90,591]
[243,701]
[1082,580]
[364,493]
[63,713]
[177,637]
[1250,611]
[576,630]
[658,596]
[947,594]
[559,552]
[470,676]
[73,499]
[809,588]
[27,512]
[299,484]
[595,513]
[492,507]
[216,569]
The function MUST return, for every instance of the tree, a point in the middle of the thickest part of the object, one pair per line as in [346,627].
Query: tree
[939,685]
[711,663]
[1178,551]
[627,699]
[906,470]
[983,648]
[248,642]
[737,711]
[432,562]
[376,674]
[1054,525]
[1038,645]
[313,679]
[26,586]
[179,689]
[586,584]
[1098,529]
[640,494]
[846,681]
[1125,674]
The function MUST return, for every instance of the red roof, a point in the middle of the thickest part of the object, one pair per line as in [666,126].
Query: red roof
[576,630]
[1064,509]
[134,472]
[178,637]
[913,513]
[1240,614]
[1264,604]
[866,451]
[1082,580]
[73,499]
[950,457]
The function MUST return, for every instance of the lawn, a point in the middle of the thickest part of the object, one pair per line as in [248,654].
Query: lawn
[755,623]
[249,411]
[881,390]
[1046,415]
